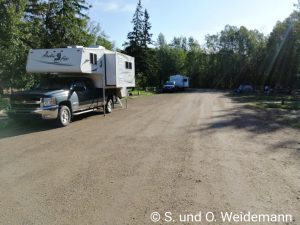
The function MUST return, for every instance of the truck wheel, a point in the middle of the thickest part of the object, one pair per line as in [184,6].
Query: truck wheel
[64,116]
[109,106]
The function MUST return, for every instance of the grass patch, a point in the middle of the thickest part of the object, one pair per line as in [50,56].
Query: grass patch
[286,102]
[279,105]
[295,125]
[140,93]
[4,123]
[283,108]
[3,103]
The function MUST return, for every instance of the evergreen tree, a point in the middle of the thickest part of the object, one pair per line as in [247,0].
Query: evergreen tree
[137,46]
[33,26]
[12,49]
[161,41]
[146,38]
[282,61]
[29,24]
[136,36]
[66,23]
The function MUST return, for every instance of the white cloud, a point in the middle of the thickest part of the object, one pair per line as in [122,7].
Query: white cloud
[113,6]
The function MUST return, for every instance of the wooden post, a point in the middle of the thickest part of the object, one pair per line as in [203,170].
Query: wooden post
[103,93]
[127,100]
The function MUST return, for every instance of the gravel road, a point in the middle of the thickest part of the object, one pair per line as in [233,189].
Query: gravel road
[182,153]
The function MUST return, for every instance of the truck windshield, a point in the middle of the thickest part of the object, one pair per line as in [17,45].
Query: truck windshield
[169,83]
[54,84]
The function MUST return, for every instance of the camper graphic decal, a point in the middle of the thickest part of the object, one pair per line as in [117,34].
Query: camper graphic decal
[55,58]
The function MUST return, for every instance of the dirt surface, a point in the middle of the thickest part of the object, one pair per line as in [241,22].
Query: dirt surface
[179,153]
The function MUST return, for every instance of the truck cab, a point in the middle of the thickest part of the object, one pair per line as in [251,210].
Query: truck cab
[169,86]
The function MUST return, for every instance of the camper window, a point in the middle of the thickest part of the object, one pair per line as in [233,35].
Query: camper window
[93,58]
[128,65]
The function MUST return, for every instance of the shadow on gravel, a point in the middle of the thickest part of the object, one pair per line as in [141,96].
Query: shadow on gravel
[193,90]
[250,118]
[13,128]
[291,145]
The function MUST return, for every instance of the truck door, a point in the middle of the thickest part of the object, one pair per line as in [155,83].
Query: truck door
[82,93]
[92,94]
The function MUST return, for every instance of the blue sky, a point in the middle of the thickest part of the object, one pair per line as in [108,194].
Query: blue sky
[189,17]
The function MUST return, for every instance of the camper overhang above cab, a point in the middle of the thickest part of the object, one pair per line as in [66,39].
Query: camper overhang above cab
[117,69]
[73,59]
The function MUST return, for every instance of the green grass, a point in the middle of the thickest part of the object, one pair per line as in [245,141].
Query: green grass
[287,105]
[286,102]
[3,103]
[295,125]
[4,123]
[140,93]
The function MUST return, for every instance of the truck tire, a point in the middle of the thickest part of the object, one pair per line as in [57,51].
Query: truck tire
[64,116]
[109,106]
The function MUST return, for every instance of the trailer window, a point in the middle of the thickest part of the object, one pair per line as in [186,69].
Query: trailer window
[93,58]
[128,65]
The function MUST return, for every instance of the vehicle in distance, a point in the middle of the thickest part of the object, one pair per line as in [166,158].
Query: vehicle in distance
[169,86]
[176,83]
[181,82]
[244,89]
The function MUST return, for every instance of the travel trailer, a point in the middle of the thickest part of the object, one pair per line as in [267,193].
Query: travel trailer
[181,82]
[175,83]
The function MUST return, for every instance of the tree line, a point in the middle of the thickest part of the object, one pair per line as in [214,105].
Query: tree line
[234,56]
[31,24]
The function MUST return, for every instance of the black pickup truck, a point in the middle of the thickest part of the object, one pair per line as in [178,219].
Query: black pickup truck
[59,98]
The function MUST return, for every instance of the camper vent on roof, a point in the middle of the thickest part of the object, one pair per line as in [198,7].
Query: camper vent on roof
[96,46]
[75,46]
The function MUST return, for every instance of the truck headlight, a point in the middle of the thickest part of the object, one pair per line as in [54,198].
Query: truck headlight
[49,101]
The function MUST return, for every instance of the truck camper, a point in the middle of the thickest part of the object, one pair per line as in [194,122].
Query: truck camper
[74,80]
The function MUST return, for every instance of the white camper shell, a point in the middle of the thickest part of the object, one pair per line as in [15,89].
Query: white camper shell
[181,81]
[116,69]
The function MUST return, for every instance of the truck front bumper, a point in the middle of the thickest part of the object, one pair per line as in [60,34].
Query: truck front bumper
[50,112]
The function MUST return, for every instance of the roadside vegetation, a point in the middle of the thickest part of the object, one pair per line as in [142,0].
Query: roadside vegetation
[3,103]
[140,93]
[283,108]
[233,56]
[287,102]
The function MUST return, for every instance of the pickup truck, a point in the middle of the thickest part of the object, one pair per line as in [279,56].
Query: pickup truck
[59,98]
[169,86]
